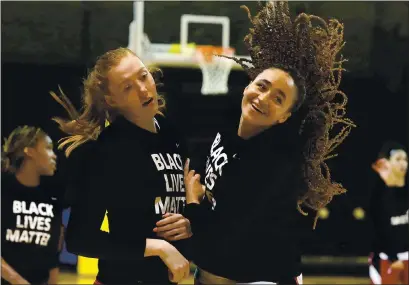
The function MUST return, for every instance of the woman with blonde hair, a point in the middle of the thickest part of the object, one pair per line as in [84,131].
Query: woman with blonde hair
[127,161]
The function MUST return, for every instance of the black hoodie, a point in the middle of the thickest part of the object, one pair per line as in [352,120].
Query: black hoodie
[31,219]
[251,229]
[389,215]
[135,176]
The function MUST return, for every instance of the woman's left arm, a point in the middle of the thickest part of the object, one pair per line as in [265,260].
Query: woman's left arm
[53,277]
[55,270]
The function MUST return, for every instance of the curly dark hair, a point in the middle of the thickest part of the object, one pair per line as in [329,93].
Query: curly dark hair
[12,154]
[307,48]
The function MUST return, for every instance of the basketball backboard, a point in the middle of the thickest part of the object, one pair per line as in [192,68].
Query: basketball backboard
[182,51]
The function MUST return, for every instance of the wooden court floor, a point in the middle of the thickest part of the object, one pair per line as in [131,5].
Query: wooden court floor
[72,278]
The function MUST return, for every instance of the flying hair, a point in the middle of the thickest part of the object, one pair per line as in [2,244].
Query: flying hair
[308,48]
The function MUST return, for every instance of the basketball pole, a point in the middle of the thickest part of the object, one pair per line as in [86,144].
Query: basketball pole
[138,14]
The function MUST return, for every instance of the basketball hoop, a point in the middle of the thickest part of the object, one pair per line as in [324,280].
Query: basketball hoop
[215,70]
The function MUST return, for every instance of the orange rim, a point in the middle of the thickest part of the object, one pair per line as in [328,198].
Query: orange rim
[209,51]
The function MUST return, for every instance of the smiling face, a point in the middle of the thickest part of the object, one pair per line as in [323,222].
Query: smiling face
[269,98]
[132,88]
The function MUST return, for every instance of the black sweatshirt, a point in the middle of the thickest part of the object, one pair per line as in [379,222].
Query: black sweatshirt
[135,176]
[251,229]
[389,214]
[31,219]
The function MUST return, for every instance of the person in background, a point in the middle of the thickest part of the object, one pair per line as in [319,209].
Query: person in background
[388,211]
[31,210]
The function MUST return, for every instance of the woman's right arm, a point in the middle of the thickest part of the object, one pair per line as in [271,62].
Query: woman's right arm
[90,179]
[88,207]
[84,235]
[10,275]
[198,208]
[85,238]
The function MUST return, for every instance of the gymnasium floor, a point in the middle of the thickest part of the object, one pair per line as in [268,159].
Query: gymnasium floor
[72,278]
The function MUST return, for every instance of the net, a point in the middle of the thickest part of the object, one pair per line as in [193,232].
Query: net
[215,70]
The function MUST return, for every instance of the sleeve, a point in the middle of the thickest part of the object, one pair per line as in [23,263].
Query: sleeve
[55,262]
[199,215]
[88,207]
[55,255]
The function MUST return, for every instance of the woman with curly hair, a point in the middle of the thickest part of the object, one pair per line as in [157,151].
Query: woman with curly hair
[246,217]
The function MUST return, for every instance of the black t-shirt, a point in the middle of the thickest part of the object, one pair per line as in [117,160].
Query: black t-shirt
[135,176]
[389,214]
[248,228]
[31,225]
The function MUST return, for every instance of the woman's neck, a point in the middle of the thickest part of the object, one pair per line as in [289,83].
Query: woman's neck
[146,124]
[28,176]
[247,130]
[393,180]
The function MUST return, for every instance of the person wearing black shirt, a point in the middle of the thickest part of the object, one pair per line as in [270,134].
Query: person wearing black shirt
[388,212]
[245,211]
[31,210]
[128,164]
